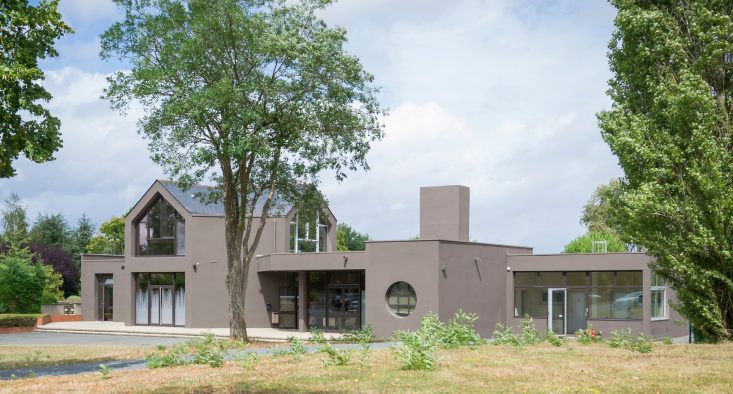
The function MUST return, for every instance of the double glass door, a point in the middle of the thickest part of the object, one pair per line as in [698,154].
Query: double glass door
[344,307]
[161,305]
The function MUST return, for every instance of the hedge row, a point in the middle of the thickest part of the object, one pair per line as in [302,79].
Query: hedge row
[19,320]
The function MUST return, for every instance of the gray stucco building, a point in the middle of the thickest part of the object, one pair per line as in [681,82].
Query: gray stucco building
[174,268]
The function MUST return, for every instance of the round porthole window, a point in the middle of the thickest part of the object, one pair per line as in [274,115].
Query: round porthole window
[401,298]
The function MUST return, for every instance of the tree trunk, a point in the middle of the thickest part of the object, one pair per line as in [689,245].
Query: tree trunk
[237,286]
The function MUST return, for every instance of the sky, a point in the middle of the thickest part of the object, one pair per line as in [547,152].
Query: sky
[497,95]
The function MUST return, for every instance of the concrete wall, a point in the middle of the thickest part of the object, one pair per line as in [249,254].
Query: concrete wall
[474,281]
[444,213]
[674,325]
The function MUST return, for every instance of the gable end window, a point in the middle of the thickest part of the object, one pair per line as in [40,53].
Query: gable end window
[308,232]
[160,231]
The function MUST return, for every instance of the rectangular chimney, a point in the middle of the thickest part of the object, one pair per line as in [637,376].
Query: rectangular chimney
[444,212]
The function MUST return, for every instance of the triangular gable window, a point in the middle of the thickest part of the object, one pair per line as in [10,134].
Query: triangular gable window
[160,230]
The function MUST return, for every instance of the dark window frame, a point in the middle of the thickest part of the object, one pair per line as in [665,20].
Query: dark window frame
[143,218]
[396,308]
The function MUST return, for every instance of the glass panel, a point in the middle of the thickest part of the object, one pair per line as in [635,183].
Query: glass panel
[530,301]
[292,236]
[525,278]
[322,236]
[550,279]
[180,306]
[558,312]
[576,310]
[657,280]
[628,278]
[160,247]
[658,296]
[602,278]
[141,299]
[337,306]
[627,303]
[600,304]
[155,305]
[166,305]
[161,279]
[142,234]
[316,300]
[401,298]
[180,238]
[575,279]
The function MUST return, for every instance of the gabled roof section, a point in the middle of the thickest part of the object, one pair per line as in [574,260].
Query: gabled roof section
[191,201]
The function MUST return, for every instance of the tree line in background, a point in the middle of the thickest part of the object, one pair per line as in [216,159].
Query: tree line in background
[40,264]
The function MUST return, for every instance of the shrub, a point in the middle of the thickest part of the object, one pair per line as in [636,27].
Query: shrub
[589,335]
[504,335]
[417,351]
[460,331]
[364,353]
[667,341]
[335,356]
[317,336]
[104,370]
[205,351]
[365,335]
[620,338]
[297,348]
[19,320]
[167,359]
[73,298]
[529,333]
[247,360]
[21,282]
[554,339]
[642,344]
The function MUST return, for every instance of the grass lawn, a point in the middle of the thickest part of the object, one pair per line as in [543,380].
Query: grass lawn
[33,356]
[541,368]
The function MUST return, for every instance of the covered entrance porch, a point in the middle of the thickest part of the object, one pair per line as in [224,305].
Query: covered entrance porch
[332,301]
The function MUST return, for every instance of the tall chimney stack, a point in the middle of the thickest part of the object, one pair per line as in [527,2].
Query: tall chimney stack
[444,212]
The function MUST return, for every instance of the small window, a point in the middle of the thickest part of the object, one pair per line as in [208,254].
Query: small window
[659,297]
[401,299]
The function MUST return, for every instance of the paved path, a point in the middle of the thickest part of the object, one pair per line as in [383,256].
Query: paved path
[114,328]
[141,364]
[65,338]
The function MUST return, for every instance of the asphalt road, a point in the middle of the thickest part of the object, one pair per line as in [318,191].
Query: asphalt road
[57,338]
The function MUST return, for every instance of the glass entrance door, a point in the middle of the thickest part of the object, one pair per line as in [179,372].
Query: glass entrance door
[557,311]
[161,305]
[104,297]
[344,308]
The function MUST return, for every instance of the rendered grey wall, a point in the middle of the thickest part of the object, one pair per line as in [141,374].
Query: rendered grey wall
[474,281]
[444,213]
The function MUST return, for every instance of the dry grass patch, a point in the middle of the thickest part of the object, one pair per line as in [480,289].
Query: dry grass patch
[488,368]
[34,356]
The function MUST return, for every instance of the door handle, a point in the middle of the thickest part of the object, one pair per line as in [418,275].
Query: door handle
[559,316]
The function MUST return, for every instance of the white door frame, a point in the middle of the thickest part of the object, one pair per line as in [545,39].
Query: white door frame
[564,311]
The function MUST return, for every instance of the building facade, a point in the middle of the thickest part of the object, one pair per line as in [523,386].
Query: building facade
[174,268]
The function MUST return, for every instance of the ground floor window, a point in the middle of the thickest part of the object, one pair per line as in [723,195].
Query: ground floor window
[608,294]
[160,298]
[401,299]
[335,300]
[659,297]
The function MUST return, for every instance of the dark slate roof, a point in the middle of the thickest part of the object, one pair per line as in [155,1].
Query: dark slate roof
[192,203]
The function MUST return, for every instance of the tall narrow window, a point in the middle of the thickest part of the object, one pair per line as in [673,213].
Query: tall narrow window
[160,231]
[659,297]
[308,232]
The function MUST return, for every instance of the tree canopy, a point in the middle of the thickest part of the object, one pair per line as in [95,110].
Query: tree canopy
[348,239]
[597,213]
[258,96]
[670,127]
[585,243]
[27,33]
[111,237]
[14,221]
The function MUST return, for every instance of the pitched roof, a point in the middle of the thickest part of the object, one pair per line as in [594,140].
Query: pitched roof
[192,202]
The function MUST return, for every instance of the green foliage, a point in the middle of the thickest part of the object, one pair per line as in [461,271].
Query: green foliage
[317,336]
[73,298]
[529,335]
[365,335]
[260,105]
[27,33]
[458,331]
[53,282]
[111,237]
[584,243]
[620,338]
[348,239]
[21,282]
[667,341]
[104,370]
[364,354]
[589,335]
[80,237]
[642,344]
[297,348]
[598,214]
[51,230]
[205,351]
[19,320]
[555,340]
[336,357]
[247,360]
[670,127]
[504,335]
[14,221]
[417,350]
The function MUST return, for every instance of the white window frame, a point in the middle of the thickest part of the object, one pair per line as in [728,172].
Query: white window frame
[663,289]
[319,227]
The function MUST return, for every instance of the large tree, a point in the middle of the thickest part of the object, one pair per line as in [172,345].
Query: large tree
[111,237]
[258,96]
[27,33]
[348,239]
[51,230]
[670,126]
[14,221]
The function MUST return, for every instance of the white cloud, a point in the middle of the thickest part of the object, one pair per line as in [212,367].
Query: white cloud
[88,10]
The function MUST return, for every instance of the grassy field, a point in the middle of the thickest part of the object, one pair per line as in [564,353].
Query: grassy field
[541,368]
[26,356]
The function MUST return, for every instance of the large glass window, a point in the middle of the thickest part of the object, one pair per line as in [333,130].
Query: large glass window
[401,298]
[160,231]
[659,297]
[308,232]
[160,298]
[610,294]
